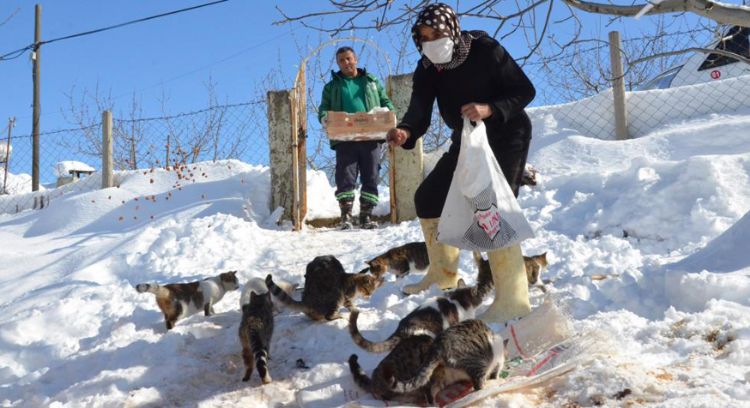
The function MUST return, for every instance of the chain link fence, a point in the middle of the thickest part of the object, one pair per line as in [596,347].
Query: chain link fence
[233,131]
[240,130]
[647,110]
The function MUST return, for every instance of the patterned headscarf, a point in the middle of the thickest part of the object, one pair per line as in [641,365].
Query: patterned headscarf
[442,18]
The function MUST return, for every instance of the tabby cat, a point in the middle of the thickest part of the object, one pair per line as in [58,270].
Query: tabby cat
[327,288]
[400,260]
[469,347]
[179,300]
[256,330]
[402,363]
[434,315]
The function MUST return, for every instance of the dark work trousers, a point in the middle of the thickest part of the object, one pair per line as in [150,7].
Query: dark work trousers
[353,158]
[430,196]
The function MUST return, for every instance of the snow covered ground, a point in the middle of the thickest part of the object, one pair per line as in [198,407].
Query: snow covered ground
[647,240]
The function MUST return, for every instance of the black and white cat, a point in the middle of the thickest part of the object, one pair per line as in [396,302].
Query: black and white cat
[434,316]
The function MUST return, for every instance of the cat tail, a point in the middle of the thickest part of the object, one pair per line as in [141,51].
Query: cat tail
[360,378]
[421,379]
[152,288]
[260,352]
[373,347]
[282,296]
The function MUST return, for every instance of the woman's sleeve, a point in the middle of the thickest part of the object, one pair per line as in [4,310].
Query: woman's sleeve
[417,118]
[514,90]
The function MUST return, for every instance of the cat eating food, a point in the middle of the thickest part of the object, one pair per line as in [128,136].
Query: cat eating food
[327,288]
[469,348]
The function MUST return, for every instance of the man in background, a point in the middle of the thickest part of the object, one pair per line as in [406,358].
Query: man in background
[352,90]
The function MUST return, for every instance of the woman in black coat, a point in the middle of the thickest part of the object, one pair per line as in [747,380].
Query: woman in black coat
[472,75]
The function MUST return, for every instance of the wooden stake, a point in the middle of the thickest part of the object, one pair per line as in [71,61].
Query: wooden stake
[618,85]
[35,56]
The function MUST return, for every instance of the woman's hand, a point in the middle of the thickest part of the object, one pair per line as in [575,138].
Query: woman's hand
[397,137]
[476,111]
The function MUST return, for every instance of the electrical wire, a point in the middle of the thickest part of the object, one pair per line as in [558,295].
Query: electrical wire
[17,53]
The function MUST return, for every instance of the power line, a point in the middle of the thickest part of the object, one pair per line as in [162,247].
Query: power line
[17,53]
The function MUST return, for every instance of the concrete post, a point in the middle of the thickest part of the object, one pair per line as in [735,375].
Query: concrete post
[280,144]
[107,149]
[407,166]
[618,86]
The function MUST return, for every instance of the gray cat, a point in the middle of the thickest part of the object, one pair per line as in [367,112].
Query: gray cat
[255,333]
[434,315]
[469,347]
[327,288]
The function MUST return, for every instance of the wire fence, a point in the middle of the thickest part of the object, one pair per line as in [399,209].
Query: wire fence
[240,131]
[233,131]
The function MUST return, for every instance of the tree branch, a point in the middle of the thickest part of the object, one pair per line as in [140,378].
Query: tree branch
[722,13]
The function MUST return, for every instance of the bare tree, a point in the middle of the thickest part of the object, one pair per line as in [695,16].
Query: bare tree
[532,19]
[85,110]
[557,47]
[157,141]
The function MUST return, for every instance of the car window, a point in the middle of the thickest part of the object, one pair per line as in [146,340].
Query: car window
[736,40]
[662,81]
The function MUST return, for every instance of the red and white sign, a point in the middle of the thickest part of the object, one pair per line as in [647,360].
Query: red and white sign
[489,220]
[715,74]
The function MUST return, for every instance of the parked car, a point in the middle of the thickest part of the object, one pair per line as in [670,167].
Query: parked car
[704,68]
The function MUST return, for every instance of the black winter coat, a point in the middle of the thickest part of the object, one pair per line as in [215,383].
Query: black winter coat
[489,75]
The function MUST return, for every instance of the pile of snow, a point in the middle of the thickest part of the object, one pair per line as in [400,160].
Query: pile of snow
[64,168]
[645,240]
[17,183]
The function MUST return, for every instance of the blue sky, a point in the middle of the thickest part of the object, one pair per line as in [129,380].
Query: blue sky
[234,43]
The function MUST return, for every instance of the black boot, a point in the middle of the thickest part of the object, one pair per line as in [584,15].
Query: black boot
[365,212]
[346,214]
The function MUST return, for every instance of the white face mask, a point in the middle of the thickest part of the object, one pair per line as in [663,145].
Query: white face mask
[439,51]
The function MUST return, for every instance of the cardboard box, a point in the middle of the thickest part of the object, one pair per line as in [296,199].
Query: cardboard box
[359,126]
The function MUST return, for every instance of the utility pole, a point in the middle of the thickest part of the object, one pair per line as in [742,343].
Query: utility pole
[35,55]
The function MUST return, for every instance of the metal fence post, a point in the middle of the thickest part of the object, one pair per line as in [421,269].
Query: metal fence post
[107,149]
[618,86]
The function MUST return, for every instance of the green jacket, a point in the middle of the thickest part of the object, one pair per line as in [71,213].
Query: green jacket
[375,96]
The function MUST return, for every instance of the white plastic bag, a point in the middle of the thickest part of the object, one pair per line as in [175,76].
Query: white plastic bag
[480,213]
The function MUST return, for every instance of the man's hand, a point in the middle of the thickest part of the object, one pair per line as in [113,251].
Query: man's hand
[476,111]
[397,137]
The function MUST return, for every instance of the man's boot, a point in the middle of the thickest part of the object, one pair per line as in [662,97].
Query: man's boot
[365,212]
[511,286]
[443,270]
[346,214]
